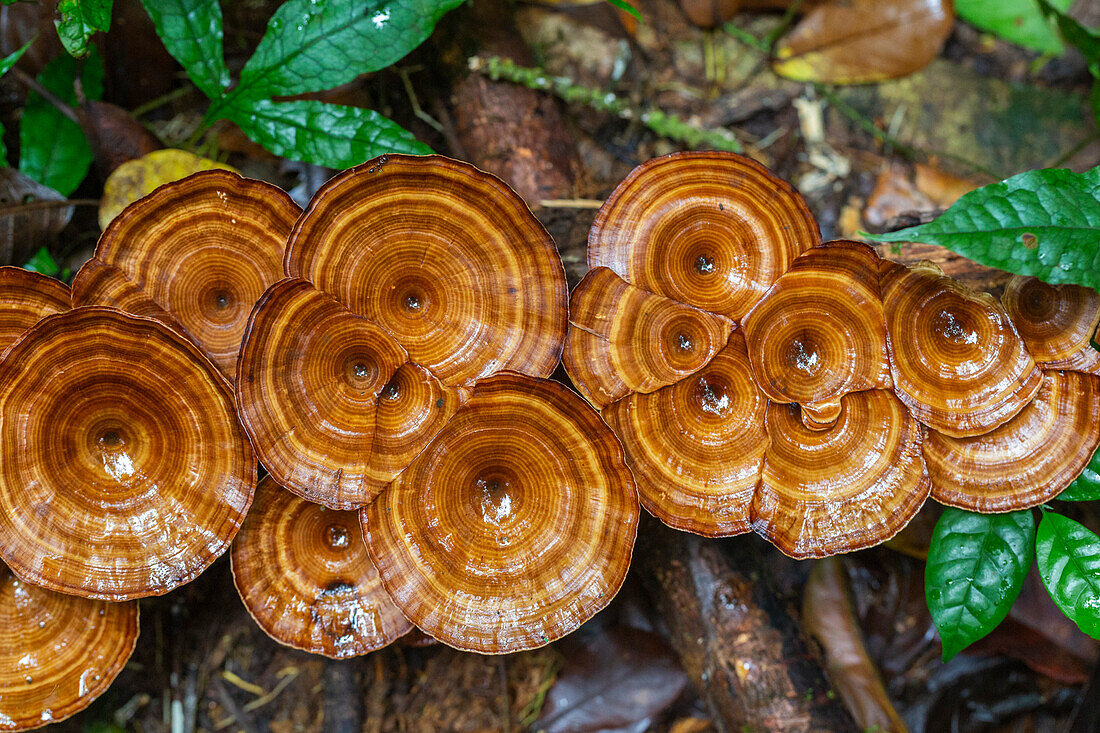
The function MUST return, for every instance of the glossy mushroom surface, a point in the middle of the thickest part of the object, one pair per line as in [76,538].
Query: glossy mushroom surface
[1057,322]
[622,339]
[956,359]
[58,653]
[203,249]
[101,284]
[26,298]
[1028,460]
[128,472]
[819,332]
[314,391]
[709,229]
[696,447]
[850,486]
[514,526]
[445,257]
[303,573]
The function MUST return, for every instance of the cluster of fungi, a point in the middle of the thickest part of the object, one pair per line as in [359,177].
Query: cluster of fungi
[385,355]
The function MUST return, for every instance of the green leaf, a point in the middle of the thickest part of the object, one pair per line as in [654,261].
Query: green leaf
[326,134]
[312,45]
[42,262]
[191,30]
[976,567]
[79,20]
[1085,40]
[12,58]
[52,148]
[1069,564]
[1044,223]
[1019,21]
[624,5]
[1085,487]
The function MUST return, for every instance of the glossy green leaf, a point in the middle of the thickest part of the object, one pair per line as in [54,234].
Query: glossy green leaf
[976,567]
[1085,40]
[1044,223]
[312,45]
[624,5]
[12,58]
[42,262]
[1069,564]
[52,148]
[326,134]
[191,30]
[78,20]
[1085,487]
[1019,21]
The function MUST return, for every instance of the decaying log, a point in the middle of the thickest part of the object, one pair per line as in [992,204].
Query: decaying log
[738,640]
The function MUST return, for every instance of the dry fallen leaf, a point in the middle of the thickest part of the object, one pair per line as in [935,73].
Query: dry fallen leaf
[137,178]
[30,216]
[860,41]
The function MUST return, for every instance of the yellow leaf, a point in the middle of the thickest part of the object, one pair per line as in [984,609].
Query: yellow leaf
[137,178]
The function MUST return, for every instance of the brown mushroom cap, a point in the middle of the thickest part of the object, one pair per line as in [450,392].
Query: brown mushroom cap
[847,487]
[697,447]
[956,359]
[304,575]
[713,230]
[1028,460]
[819,333]
[102,284]
[514,526]
[26,298]
[312,391]
[622,339]
[444,256]
[126,472]
[1057,322]
[203,249]
[58,653]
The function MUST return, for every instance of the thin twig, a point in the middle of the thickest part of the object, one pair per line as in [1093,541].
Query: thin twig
[15,209]
[32,83]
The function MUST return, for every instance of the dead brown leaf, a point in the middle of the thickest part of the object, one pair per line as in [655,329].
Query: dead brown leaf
[31,216]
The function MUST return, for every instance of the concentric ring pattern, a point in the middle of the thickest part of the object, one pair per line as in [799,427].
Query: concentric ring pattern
[25,299]
[853,360]
[131,472]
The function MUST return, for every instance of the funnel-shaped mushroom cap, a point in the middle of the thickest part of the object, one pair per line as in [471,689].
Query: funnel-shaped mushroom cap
[26,298]
[1056,322]
[203,249]
[444,256]
[847,487]
[303,573]
[697,447]
[125,471]
[102,284]
[1028,460]
[819,333]
[311,384]
[58,653]
[957,361]
[514,526]
[622,339]
[713,230]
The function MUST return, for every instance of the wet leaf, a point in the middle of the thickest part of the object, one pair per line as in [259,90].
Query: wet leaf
[42,262]
[976,567]
[860,41]
[311,45]
[10,60]
[52,148]
[192,32]
[1085,487]
[1018,21]
[136,178]
[79,20]
[612,679]
[28,219]
[828,615]
[1069,564]
[1043,223]
[326,134]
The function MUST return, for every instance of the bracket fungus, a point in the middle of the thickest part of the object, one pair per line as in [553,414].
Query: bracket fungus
[202,249]
[303,573]
[126,472]
[58,653]
[25,299]
[1057,322]
[410,279]
[514,526]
